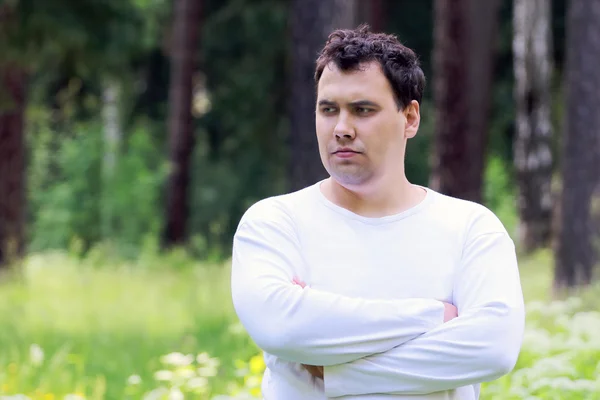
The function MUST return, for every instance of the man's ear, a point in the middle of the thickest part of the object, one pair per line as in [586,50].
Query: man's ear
[412,113]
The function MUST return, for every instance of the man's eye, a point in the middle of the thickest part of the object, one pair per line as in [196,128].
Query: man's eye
[363,110]
[328,110]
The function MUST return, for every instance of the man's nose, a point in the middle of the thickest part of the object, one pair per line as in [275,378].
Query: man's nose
[344,129]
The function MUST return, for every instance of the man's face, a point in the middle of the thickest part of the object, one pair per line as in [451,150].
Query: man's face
[361,132]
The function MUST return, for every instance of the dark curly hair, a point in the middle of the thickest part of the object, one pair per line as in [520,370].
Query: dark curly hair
[348,49]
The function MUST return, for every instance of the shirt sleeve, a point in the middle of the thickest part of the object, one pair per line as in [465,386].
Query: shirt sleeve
[310,326]
[480,345]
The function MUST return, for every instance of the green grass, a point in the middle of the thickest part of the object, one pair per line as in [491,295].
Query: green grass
[536,276]
[99,321]
[98,326]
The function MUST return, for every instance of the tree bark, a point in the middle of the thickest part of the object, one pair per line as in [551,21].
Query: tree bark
[372,12]
[463,61]
[311,23]
[532,146]
[184,46]
[580,162]
[13,82]
[112,139]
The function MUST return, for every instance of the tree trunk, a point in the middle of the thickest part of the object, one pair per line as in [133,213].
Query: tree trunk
[184,47]
[112,138]
[13,82]
[463,60]
[372,12]
[311,23]
[533,153]
[580,162]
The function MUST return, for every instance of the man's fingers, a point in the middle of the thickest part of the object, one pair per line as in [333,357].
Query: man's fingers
[297,281]
[450,312]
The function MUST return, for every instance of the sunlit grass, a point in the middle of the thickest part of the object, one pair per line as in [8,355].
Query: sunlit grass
[536,275]
[99,326]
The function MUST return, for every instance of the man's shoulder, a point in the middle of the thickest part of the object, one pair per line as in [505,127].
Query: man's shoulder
[475,218]
[278,208]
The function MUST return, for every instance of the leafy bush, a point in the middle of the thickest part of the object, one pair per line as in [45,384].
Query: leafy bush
[71,199]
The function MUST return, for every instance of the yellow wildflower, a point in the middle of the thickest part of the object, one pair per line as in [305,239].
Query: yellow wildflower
[257,364]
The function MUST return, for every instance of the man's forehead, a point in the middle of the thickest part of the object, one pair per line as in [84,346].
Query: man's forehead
[364,84]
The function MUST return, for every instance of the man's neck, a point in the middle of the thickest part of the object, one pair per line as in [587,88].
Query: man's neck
[375,200]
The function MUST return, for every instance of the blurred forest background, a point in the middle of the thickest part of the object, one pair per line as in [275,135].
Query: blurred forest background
[135,133]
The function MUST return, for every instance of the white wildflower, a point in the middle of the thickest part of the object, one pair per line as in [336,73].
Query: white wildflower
[586,385]
[156,394]
[197,383]
[176,394]
[163,375]
[15,397]
[207,371]
[574,303]
[36,354]
[537,340]
[203,358]
[73,397]
[253,381]
[185,373]
[134,380]
[177,359]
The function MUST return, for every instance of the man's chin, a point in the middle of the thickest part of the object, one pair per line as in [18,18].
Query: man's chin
[350,179]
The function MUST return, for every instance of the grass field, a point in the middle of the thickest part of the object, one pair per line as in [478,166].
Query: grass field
[97,327]
[101,329]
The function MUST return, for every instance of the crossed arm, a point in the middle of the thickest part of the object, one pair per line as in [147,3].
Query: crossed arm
[403,346]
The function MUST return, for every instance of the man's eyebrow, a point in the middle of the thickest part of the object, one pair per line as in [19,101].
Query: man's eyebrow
[326,103]
[362,103]
[358,103]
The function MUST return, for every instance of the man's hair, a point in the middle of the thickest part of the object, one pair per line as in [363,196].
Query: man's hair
[348,49]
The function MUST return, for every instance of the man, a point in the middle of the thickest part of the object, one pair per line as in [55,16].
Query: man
[352,286]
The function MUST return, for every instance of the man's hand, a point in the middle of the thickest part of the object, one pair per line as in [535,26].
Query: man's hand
[297,281]
[450,312]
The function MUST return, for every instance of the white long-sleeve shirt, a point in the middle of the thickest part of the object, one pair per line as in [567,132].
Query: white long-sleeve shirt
[372,313]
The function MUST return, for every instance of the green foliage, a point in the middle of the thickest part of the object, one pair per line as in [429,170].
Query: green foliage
[70,197]
[64,187]
[499,193]
[241,150]
[40,33]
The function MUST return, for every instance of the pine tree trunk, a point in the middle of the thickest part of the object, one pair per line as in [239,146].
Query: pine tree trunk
[580,162]
[533,153]
[184,48]
[13,82]
[311,23]
[463,60]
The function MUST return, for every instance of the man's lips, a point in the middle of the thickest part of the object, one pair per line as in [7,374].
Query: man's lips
[345,153]
[345,150]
